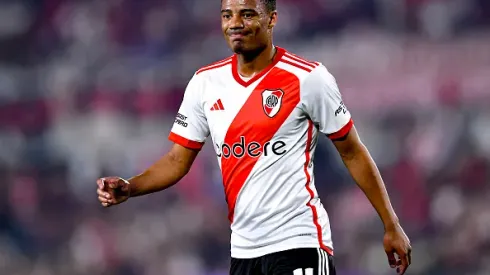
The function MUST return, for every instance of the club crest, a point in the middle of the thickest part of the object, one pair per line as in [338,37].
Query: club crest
[271,101]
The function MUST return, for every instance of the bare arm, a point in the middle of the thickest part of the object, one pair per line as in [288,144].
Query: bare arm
[365,173]
[165,172]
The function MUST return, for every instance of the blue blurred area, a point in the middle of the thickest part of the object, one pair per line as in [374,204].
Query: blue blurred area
[90,88]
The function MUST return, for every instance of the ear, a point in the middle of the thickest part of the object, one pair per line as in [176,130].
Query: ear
[272,19]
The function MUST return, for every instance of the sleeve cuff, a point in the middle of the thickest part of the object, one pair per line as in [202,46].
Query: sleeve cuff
[191,144]
[342,132]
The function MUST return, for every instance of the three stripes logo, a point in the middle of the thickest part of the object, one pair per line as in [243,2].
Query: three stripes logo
[218,106]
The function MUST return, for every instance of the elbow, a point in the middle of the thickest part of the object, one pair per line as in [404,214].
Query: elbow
[352,152]
[183,171]
[179,165]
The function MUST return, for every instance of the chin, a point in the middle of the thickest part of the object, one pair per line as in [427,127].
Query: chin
[238,49]
[242,48]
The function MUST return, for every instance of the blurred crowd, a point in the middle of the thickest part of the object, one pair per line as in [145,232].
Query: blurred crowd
[90,88]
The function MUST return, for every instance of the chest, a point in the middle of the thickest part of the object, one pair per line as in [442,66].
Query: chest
[255,113]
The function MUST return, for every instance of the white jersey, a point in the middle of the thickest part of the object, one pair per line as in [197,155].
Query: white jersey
[265,132]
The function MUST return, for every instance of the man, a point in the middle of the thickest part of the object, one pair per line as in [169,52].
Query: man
[264,109]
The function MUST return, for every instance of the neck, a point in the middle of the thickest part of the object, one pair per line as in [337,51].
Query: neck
[251,63]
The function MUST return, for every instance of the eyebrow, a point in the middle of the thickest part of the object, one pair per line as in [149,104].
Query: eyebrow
[241,11]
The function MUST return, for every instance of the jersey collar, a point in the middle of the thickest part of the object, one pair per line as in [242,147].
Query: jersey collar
[234,68]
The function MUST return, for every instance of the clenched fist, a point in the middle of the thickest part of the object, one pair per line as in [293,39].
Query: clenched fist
[112,190]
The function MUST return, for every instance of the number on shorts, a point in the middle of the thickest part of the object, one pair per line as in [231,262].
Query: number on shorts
[299,271]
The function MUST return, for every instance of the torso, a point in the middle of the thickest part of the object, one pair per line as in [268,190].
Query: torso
[264,143]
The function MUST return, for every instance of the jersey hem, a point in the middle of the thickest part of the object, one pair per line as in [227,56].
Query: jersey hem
[259,252]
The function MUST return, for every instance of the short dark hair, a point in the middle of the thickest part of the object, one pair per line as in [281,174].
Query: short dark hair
[270,5]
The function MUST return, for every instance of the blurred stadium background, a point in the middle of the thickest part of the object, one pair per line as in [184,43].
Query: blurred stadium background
[90,89]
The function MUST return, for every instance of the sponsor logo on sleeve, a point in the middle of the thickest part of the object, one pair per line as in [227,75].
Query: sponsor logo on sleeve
[342,109]
[181,120]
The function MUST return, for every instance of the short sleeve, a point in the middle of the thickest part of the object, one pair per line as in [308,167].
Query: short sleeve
[190,128]
[323,103]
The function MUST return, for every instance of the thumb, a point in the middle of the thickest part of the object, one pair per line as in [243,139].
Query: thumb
[114,183]
[124,185]
[391,258]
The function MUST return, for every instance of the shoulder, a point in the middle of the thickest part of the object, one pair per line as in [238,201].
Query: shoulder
[201,77]
[312,74]
[320,77]
[214,67]
[298,65]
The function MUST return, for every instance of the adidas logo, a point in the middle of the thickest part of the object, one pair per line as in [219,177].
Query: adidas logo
[218,106]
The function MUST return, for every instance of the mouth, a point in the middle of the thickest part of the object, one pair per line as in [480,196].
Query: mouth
[237,36]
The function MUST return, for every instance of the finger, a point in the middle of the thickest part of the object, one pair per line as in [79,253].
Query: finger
[103,194]
[112,183]
[100,192]
[103,199]
[391,258]
[404,262]
[401,270]
[106,204]
[409,256]
[100,183]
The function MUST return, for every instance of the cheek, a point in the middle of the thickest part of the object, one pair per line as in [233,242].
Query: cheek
[256,27]
[261,31]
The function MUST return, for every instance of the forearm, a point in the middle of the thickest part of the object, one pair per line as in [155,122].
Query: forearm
[366,174]
[161,175]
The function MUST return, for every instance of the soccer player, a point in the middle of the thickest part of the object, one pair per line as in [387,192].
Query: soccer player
[264,108]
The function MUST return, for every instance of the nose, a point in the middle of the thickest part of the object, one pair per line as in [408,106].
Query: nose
[236,22]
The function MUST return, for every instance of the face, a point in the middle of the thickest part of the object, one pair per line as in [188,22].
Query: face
[246,24]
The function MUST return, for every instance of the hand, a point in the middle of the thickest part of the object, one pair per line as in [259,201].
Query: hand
[112,191]
[396,242]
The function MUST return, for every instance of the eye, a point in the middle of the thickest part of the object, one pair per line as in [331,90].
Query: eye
[247,15]
[226,16]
